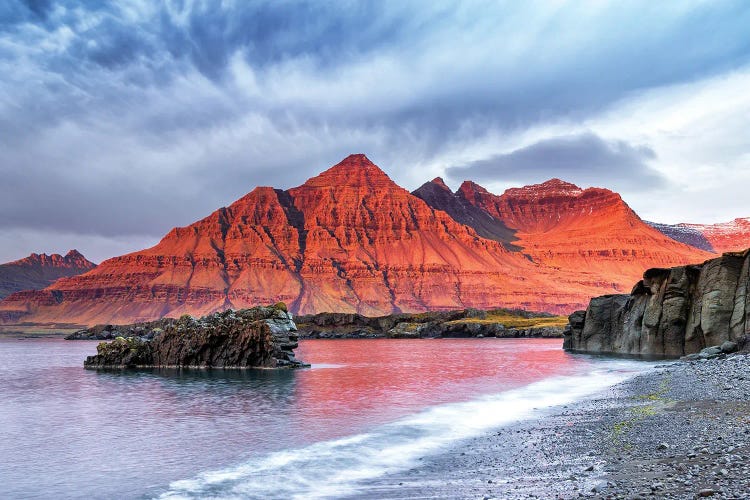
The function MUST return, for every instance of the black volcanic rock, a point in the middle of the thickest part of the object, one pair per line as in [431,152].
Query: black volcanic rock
[671,312]
[683,234]
[440,197]
[260,337]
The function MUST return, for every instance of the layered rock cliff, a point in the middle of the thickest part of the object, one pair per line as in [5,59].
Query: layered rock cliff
[348,240]
[261,337]
[670,312]
[38,271]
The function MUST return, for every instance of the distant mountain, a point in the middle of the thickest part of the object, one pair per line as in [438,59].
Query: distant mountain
[38,271]
[351,240]
[684,234]
[722,237]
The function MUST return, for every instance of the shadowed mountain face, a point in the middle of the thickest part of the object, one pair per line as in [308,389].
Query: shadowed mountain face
[440,197]
[683,234]
[722,237]
[38,271]
[351,240]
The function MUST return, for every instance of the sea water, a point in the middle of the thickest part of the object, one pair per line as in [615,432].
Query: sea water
[366,408]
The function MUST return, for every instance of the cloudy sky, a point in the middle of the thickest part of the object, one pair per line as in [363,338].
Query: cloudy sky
[123,119]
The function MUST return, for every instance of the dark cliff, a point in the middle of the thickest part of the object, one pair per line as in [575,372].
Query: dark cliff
[670,312]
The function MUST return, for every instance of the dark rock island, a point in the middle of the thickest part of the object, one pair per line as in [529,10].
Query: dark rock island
[699,310]
[260,337]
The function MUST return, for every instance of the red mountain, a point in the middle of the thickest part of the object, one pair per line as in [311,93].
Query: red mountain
[722,237]
[40,270]
[591,231]
[351,240]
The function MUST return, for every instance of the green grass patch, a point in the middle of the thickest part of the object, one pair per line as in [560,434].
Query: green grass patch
[516,321]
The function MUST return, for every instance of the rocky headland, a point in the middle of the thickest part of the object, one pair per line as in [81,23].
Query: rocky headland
[696,310]
[260,337]
[501,323]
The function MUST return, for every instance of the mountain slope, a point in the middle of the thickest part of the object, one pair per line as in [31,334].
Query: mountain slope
[348,240]
[686,235]
[439,196]
[38,271]
[722,237]
[591,231]
[351,240]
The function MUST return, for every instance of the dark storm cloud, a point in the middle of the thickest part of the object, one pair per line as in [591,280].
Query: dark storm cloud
[584,158]
[132,117]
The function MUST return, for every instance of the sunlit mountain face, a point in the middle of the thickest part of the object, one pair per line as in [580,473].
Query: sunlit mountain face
[122,120]
[352,240]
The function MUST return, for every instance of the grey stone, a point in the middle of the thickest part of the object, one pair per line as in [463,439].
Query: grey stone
[728,347]
[671,312]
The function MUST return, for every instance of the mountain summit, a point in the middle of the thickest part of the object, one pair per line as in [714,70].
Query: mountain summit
[352,240]
[354,170]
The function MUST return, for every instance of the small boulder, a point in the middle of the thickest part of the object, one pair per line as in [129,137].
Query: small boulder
[707,492]
[728,347]
[710,352]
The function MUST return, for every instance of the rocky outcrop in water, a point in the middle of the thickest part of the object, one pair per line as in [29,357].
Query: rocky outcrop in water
[448,324]
[261,337]
[670,312]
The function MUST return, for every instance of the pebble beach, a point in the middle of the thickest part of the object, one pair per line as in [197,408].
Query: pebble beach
[680,430]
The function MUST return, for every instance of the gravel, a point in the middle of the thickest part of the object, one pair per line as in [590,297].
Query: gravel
[679,431]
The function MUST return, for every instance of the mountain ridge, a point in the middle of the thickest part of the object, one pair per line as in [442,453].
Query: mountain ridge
[351,240]
[39,270]
[721,237]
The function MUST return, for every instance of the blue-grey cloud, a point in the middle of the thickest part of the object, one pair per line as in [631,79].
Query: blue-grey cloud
[583,158]
[131,117]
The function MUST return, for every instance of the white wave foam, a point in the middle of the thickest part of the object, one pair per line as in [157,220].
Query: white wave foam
[334,468]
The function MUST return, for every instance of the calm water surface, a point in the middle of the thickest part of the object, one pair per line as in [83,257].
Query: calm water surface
[364,409]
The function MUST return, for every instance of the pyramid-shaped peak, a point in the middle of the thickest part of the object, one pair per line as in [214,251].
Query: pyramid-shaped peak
[358,160]
[439,182]
[354,170]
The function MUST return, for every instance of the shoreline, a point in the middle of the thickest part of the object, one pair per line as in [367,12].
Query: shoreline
[681,430]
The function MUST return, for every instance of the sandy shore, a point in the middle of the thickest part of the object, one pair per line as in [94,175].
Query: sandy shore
[681,430]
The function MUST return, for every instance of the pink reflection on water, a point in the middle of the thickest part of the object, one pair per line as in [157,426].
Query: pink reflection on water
[375,381]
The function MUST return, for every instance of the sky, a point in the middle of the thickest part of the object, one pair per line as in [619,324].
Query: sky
[120,120]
